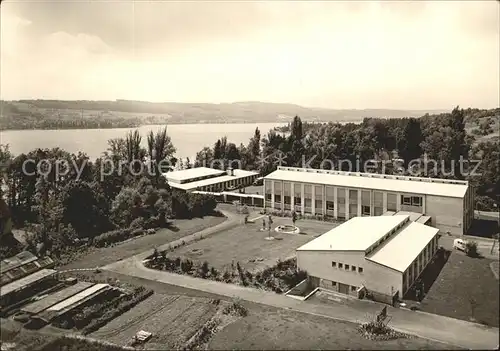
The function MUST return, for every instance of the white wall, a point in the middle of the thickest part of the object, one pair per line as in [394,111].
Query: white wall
[374,277]
[319,264]
[447,213]
[381,279]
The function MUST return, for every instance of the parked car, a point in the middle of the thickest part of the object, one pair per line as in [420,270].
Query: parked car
[460,244]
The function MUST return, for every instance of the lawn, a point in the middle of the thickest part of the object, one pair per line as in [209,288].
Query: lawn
[267,328]
[102,256]
[462,283]
[172,319]
[247,245]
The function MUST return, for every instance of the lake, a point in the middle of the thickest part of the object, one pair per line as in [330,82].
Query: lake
[187,138]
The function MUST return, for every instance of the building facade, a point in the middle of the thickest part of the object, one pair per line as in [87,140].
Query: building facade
[209,179]
[382,256]
[344,195]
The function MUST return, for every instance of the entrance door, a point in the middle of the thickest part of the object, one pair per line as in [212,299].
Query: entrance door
[343,288]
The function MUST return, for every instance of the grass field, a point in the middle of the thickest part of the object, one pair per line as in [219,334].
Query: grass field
[267,328]
[247,243]
[106,255]
[461,279]
[172,320]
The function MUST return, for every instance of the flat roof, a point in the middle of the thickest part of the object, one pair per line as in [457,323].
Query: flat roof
[404,247]
[389,213]
[423,219]
[413,215]
[257,196]
[238,173]
[77,297]
[409,185]
[26,281]
[195,172]
[16,261]
[357,234]
[52,299]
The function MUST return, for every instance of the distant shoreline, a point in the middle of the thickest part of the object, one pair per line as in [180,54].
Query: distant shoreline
[179,123]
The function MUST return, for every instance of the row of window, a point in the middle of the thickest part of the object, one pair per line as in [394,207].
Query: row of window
[347,267]
[411,200]
[405,200]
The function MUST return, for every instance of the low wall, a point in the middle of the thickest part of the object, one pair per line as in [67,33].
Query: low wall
[301,288]
[378,297]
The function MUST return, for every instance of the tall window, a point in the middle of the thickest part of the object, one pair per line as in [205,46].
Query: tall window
[366,210]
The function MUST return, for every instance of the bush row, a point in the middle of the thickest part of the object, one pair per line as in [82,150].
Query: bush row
[279,278]
[87,314]
[123,306]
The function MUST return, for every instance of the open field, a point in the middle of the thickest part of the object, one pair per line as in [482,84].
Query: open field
[172,320]
[106,255]
[461,279]
[267,328]
[247,243]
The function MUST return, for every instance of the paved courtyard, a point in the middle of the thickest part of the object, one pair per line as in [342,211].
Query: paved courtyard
[249,245]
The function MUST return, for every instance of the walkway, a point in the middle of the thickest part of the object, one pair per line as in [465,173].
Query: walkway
[434,327]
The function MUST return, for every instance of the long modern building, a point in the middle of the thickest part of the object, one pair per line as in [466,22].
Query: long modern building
[344,195]
[210,179]
[382,256]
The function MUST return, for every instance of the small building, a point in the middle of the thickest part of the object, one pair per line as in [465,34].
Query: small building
[382,256]
[209,179]
[21,265]
[344,195]
[54,298]
[242,198]
[27,286]
[72,302]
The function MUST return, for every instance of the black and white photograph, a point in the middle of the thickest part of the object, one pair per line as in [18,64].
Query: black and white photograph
[249,175]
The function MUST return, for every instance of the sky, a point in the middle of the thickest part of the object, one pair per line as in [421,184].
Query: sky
[332,54]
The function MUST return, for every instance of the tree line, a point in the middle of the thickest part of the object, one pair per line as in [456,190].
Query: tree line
[396,141]
[89,199]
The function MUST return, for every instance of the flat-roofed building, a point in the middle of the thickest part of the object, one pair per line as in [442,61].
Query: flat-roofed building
[344,195]
[26,286]
[209,179]
[381,255]
[54,298]
[74,301]
[21,265]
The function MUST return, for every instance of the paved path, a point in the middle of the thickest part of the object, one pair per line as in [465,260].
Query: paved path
[487,215]
[443,329]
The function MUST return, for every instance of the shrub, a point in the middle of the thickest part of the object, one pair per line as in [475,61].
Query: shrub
[124,305]
[236,308]
[484,203]
[471,249]
[112,237]
[137,223]
[377,330]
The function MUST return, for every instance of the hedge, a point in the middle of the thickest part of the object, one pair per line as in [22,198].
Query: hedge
[140,294]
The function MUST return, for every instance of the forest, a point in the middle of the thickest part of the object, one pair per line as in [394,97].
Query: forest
[64,203]
[446,138]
